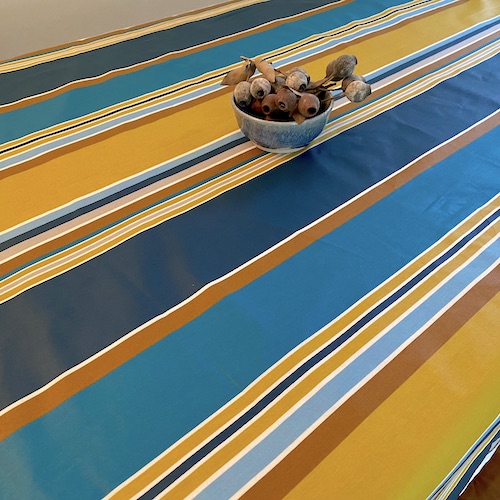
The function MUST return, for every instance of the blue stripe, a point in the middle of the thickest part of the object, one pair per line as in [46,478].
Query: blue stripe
[204,364]
[254,461]
[250,221]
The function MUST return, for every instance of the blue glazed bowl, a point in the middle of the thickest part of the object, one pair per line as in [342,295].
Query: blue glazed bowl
[280,136]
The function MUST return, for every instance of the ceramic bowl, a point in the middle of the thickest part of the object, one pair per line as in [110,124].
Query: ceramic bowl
[280,136]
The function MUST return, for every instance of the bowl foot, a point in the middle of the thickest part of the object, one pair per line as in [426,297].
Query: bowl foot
[278,150]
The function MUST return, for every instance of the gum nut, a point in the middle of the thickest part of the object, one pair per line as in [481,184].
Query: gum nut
[330,68]
[269,104]
[279,83]
[308,105]
[345,66]
[256,106]
[342,67]
[296,80]
[260,87]
[242,94]
[357,91]
[286,99]
[352,78]
[302,70]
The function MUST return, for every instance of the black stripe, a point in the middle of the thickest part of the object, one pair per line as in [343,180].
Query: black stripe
[120,194]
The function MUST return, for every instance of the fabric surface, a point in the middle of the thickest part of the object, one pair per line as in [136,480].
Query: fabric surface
[184,315]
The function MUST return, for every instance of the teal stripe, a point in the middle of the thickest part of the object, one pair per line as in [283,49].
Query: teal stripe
[118,424]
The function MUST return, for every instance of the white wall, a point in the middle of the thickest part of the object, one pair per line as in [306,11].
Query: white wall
[32,25]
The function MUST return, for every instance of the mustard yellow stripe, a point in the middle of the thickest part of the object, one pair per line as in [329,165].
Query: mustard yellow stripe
[77,173]
[463,469]
[411,442]
[320,373]
[130,34]
[107,161]
[287,364]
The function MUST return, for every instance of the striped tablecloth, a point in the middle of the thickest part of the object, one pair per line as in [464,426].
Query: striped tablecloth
[184,315]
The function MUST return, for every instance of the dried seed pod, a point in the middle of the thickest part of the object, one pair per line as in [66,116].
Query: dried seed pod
[341,68]
[269,104]
[296,80]
[352,78]
[286,99]
[357,91]
[260,87]
[235,76]
[256,107]
[242,95]
[308,105]
[278,84]
[302,70]
[250,68]
[266,69]
[297,116]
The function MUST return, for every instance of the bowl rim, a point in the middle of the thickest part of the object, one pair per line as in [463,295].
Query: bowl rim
[283,123]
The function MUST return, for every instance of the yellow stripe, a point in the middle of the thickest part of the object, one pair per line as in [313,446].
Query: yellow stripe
[287,364]
[130,34]
[411,442]
[78,173]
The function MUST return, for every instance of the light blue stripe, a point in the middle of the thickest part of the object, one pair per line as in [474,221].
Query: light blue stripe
[105,193]
[253,462]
